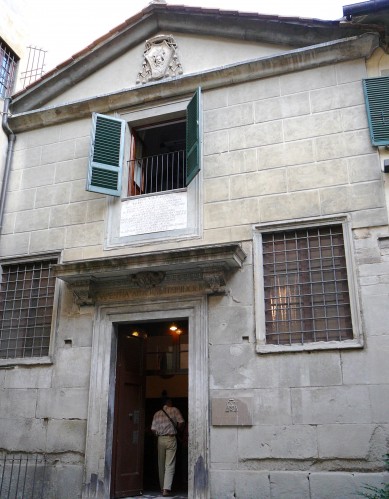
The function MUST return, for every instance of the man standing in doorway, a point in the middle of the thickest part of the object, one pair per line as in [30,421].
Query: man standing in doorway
[166,423]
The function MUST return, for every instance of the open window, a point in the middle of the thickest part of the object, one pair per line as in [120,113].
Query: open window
[164,156]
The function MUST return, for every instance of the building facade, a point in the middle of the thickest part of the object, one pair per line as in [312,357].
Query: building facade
[216,173]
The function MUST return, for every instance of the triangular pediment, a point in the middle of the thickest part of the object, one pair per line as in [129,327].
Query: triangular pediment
[206,39]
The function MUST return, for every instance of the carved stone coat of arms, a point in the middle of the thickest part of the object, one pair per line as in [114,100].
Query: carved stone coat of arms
[160,59]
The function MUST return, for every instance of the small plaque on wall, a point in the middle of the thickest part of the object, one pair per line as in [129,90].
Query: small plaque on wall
[232,411]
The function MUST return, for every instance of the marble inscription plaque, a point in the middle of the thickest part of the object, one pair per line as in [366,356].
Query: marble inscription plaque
[232,411]
[159,213]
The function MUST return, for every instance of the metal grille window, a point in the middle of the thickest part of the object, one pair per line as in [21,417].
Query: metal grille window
[306,286]
[8,62]
[26,307]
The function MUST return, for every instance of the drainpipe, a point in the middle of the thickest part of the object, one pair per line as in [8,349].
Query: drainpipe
[8,160]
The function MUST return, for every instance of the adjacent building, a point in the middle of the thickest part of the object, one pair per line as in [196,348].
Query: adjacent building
[196,204]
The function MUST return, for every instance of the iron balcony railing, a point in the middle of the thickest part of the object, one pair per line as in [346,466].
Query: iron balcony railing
[158,173]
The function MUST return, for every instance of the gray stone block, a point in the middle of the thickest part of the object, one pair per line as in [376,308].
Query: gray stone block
[309,79]
[257,135]
[215,143]
[27,377]
[216,189]
[66,436]
[37,176]
[318,175]
[253,91]
[231,366]
[364,168]
[64,403]
[221,453]
[226,214]
[230,117]
[26,158]
[67,171]
[314,125]
[379,399]
[222,484]
[290,485]
[368,366]
[78,192]
[35,138]
[349,71]
[344,441]
[27,435]
[68,481]
[74,129]
[354,118]
[14,244]
[20,200]
[47,240]
[72,367]
[289,206]
[32,220]
[213,99]
[341,96]
[282,107]
[293,153]
[272,407]
[70,214]
[53,195]
[17,403]
[230,163]
[227,325]
[333,404]
[252,484]
[60,151]
[96,210]
[259,183]
[82,147]
[277,442]
[77,329]
[85,235]
[330,485]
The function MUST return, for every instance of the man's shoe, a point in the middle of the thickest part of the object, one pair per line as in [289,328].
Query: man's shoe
[166,493]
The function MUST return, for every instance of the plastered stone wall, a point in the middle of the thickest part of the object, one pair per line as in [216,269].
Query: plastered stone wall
[320,419]
[44,407]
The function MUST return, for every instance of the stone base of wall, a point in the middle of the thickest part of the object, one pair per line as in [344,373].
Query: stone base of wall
[291,484]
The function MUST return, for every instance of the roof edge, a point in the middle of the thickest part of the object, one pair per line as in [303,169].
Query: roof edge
[296,60]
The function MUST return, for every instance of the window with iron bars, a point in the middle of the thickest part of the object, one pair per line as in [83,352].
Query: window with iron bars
[306,290]
[26,309]
[8,63]
[158,158]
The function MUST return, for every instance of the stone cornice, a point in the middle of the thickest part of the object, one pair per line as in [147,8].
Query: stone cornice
[295,60]
[197,270]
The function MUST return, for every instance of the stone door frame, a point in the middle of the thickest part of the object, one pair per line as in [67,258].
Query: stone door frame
[98,454]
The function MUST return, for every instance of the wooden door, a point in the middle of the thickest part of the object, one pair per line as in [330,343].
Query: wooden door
[127,462]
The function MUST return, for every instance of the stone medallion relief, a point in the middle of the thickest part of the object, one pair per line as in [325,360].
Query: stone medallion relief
[160,59]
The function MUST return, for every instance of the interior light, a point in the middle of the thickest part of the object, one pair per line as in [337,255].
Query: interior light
[173,327]
[135,333]
[178,331]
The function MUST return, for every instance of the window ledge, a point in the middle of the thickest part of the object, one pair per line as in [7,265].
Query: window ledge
[33,361]
[308,347]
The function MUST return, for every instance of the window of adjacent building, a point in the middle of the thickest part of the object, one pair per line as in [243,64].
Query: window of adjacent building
[376,92]
[8,62]
[306,292]
[26,309]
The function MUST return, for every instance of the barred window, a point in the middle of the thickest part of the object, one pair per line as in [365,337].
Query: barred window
[8,62]
[26,308]
[306,289]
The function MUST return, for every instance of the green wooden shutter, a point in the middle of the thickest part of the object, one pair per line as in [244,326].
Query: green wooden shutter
[377,105]
[106,155]
[193,137]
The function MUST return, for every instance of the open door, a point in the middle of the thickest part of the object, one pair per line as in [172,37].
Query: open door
[127,465]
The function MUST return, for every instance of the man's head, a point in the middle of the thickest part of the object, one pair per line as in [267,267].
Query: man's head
[168,401]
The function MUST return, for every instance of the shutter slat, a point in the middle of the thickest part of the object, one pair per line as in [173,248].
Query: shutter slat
[106,155]
[377,106]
